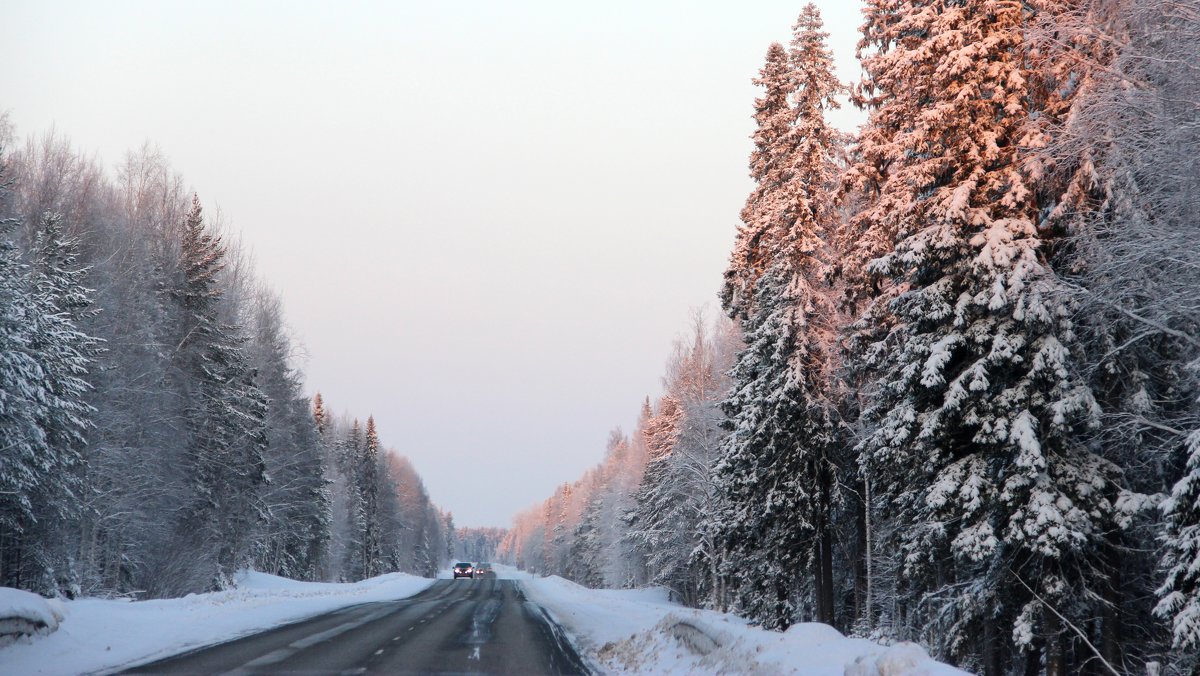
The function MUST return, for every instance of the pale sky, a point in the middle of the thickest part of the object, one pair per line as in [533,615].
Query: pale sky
[488,220]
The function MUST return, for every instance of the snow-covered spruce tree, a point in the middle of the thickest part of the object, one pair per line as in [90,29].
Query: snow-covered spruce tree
[296,533]
[349,452]
[368,487]
[225,415]
[66,354]
[320,416]
[652,526]
[774,116]
[1180,592]
[26,458]
[975,432]
[582,562]
[777,476]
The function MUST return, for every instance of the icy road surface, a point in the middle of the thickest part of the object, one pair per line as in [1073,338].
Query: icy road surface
[456,626]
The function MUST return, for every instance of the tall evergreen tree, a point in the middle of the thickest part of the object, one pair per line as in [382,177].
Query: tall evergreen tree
[779,467]
[368,487]
[225,411]
[975,431]
[26,457]
[66,354]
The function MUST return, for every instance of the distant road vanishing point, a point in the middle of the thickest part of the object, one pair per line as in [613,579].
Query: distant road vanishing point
[454,626]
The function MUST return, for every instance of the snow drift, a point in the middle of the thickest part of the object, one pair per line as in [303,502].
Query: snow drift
[104,634]
[640,631]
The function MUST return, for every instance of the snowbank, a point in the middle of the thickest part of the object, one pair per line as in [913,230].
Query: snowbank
[23,613]
[97,635]
[640,631]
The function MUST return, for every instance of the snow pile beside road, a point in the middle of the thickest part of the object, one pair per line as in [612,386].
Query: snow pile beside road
[101,634]
[640,631]
[23,613]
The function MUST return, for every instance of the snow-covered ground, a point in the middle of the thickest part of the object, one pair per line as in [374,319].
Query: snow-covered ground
[640,631]
[97,635]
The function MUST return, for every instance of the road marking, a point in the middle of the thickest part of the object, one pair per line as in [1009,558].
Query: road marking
[266,660]
[474,655]
[282,654]
[310,641]
[379,652]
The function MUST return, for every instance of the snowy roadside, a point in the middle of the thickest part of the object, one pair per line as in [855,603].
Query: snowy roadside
[96,635]
[640,631]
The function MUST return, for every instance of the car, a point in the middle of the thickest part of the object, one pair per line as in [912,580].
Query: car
[483,569]
[464,569]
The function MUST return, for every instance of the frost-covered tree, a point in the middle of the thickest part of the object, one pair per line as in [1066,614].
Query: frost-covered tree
[678,491]
[478,544]
[977,425]
[180,392]
[296,531]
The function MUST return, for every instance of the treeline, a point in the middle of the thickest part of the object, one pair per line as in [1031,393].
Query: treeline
[383,518]
[154,432]
[966,410]
[638,516]
[478,544]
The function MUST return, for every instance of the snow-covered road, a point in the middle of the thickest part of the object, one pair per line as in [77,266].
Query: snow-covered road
[455,624]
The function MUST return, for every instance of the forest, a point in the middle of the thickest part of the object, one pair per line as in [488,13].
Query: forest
[155,436]
[955,396]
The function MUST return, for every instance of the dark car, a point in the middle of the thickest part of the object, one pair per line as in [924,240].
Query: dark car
[483,569]
[463,569]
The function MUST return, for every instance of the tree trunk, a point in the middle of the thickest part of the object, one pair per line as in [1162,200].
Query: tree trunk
[1110,627]
[1055,660]
[991,649]
[861,556]
[1033,661]
[826,574]
[824,587]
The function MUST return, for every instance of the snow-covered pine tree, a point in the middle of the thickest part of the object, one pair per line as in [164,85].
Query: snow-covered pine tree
[777,473]
[225,414]
[975,433]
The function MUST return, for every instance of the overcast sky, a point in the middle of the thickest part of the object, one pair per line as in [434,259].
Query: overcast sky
[488,220]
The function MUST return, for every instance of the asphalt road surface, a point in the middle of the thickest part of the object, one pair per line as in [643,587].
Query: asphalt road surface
[455,626]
